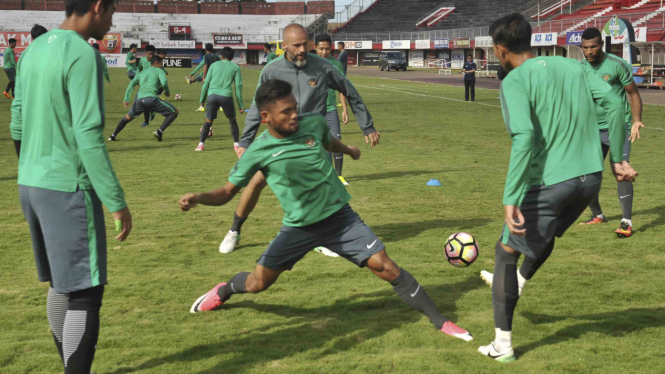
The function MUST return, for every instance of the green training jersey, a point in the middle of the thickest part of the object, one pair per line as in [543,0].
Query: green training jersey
[131,66]
[221,75]
[144,64]
[10,59]
[549,108]
[271,56]
[198,68]
[298,170]
[105,69]
[615,71]
[58,115]
[332,97]
[150,80]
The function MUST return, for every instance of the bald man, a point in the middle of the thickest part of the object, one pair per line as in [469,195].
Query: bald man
[311,76]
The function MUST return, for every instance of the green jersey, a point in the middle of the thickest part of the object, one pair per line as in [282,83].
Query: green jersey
[150,80]
[131,66]
[10,59]
[221,75]
[271,56]
[58,115]
[549,110]
[332,98]
[615,71]
[105,67]
[198,68]
[298,170]
[144,64]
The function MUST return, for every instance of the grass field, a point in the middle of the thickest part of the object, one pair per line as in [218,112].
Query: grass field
[597,305]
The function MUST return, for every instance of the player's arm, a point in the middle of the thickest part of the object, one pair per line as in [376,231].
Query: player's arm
[238,83]
[636,107]
[335,146]
[133,59]
[16,124]
[165,83]
[198,68]
[252,121]
[205,71]
[106,70]
[128,92]
[204,90]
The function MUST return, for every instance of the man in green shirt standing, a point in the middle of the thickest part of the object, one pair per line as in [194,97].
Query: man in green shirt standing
[145,62]
[65,174]
[217,90]
[555,163]
[132,69]
[105,65]
[270,55]
[147,99]
[10,68]
[618,74]
[292,156]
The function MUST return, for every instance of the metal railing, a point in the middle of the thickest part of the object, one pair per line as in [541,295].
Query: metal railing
[378,37]
[434,12]
[564,7]
[562,25]
[352,10]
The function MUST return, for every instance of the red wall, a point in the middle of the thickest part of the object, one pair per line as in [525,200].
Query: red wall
[320,7]
[220,8]
[289,8]
[258,8]
[10,4]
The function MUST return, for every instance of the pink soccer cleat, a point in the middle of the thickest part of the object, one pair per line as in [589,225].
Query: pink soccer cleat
[210,301]
[199,148]
[452,329]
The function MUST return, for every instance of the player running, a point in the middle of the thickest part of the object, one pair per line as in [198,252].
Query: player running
[9,64]
[323,45]
[65,175]
[147,99]
[292,153]
[105,67]
[132,67]
[311,76]
[555,163]
[197,72]
[208,59]
[615,71]
[217,89]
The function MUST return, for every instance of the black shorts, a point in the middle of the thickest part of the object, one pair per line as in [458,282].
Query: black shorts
[343,233]
[151,104]
[11,74]
[605,141]
[217,101]
[332,118]
[131,74]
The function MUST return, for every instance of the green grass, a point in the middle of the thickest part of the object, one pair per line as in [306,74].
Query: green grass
[597,305]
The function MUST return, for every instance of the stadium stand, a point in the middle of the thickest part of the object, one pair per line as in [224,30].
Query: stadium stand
[436,15]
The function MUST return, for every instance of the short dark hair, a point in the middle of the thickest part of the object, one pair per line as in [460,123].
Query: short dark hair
[267,46]
[82,7]
[227,53]
[209,47]
[95,46]
[322,38]
[162,52]
[591,33]
[155,59]
[10,41]
[150,48]
[469,56]
[37,31]
[513,32]
[340,43]
[133,45]
[271,91]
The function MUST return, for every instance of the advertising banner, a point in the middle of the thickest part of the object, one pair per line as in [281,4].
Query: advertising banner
[574,37]
[543,39]
[423,44]
[365,44]
[126,42]
[115,60]
[441,43]
[236,41]
[483,41]
[396,44]
[174,44]
[111,43]
[177,62]
[462,42]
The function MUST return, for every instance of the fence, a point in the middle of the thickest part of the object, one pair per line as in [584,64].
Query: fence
[416,35]
[598,22]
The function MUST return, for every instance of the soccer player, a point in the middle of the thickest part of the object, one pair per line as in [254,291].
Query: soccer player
[37,31]
[555,164]
[132,68]
[217,89]
[615,71]
[162,53]
[10,68]
[323,48]
[147,99]
[65,175]
[311,76]
[145,63]
[270,55]
[291,152]
[209,58]
[197,72]
[105,67]
[343,56]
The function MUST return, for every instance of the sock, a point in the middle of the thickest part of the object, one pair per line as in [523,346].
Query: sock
[146,117]
[121,125]
[236,144]
[628,221]
[531,265]
[201,143]
[234,286]
[237,223]
[503,340]
[625,192]
[505,291]
[234,130]
[56,308]
[168,121]
[81,330]
[8,87]
[204,132]
[338,159]
[595,207]
[408,289]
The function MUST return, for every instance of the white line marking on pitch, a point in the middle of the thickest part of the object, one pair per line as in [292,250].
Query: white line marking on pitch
[423,95]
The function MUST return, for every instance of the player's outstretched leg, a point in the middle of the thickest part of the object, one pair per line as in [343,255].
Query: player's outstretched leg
[597,215]
[121,125]
[412,293]
[204,134]
[167,122]
[235,132]
[81,329]
[625,192]
[248,200]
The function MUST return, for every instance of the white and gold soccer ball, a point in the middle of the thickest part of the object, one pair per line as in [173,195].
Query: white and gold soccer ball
[178,97]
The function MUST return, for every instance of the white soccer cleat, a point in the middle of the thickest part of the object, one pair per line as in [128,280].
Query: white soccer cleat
[489,351]
[489,277]
[201,109]
[229,243]
[188,80]
[326,251]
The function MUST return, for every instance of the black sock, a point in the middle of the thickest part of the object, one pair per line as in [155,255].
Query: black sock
[81,330]
[237,223]
[531,265]
[234,286]
[8,87]
[234,130]
[595,207]
[56,309]
[338,161]
[121,125]
[168,121]
[505,290]
[146,117]
[408,289]
[204,131]
[625,191]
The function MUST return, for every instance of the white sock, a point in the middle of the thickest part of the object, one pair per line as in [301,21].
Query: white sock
[503,340]
[235,144]
[629,221]
[521,282]
[200,144]
[601,216]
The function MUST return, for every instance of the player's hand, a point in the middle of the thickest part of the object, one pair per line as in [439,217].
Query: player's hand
[513,218]
[345,117]
[126,218]
[187,202]
[354,152]
[126,104]
[242,110]
[623,171]
[635,131]
[373,137]
[240,151]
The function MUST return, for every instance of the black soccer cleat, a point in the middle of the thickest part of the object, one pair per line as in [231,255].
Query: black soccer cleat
[158,135]
[112,138]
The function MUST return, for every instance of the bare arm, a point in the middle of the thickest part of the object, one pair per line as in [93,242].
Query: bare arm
[636,108]
[345,113]
[216,197]
[335,146]
[205,72]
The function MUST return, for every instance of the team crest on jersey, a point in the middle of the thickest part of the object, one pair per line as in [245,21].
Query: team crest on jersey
[606,77]
[310,142]
[111,42]
[312,82]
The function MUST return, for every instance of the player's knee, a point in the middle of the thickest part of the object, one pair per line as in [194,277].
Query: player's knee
[128,118]
[176,113]
[88,299]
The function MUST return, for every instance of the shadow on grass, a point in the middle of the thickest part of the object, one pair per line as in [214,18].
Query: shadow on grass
[659,221]
[395,174]
[393,232]
[328,329]
[142,148]
[615,324]
[15,177]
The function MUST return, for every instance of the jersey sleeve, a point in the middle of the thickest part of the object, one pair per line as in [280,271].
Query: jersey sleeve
[625,73]
[164,82]
[206,86]
[238,83]
[16,124]
[245,168]
[323,130]
[198,68]
[338,82]
[106,69]
[611,103]
[86,97]
[253,119]
[128,92]
[517,116]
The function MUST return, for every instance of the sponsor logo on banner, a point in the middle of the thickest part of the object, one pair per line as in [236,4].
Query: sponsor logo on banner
[641,34]
[177,62]
[543,39]
[422,44]
[396,44]
[574,37]
[365,44]
[115,60]
[483,41]
[619,29]
[441,43]
[462,42]
[174,44]
[229,40]
[111,43]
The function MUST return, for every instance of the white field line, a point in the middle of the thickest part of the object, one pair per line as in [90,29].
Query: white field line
[383,88]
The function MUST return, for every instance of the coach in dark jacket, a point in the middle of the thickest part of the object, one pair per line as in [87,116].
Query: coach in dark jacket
[469,78]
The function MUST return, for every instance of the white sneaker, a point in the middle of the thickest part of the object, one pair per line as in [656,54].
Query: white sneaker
[489,351]
[326,251]
[488,277]
[229,243]
[201,109]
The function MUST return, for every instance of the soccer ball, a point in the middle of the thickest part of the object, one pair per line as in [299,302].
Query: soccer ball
[461,249]
[178,97]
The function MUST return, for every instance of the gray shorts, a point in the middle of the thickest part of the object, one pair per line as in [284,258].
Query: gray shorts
[151,104]
[11,74]
[605,141]
[131,74]
[217,101]
[68,237]
[550,210]
[334,126]
[343,233]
